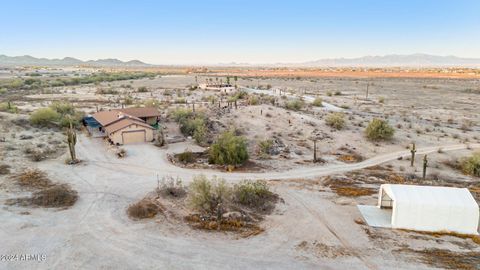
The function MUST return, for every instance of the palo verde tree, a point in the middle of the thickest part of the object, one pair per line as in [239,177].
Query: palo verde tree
[229,149]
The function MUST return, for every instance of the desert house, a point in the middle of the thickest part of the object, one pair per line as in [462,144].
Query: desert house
[424,208]
[124,126]
[223,87]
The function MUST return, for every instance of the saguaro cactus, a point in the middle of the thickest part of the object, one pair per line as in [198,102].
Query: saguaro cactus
[425,165]
[413,151]
[72,140]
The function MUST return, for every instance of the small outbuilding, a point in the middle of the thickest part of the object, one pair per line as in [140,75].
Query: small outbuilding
[424,208]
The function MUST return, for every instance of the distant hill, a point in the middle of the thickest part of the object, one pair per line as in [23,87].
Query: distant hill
[394,60]
[28,60]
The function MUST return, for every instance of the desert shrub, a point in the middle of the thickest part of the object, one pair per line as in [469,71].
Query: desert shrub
[335,120]
[54,196]
[121,153]
[143,209]
[171,187]
[152,103]
[128,100]
[253,100]
[190,124]
[142,89]
[108,91]
[63,107]
[381,100]
[329,93]
[265,147]
[4,169]
[180,100]
[181,114]
[75,119]
[208,196]
[35,155]
[317,102]
[254,194]
[200,133]
[338,93]
[186,157]
[379,129]
[8,107]
[295,104]
[32,179]
[471,165]
[44,117]
[229,149]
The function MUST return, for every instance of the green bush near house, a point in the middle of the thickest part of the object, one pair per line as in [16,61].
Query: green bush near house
[229,149]
[44,117]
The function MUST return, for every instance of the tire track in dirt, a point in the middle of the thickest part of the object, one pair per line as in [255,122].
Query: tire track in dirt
[330,228]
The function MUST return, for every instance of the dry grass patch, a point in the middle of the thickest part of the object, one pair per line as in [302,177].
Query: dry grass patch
[446,259]
[347,187]
[46,193]
[33,178]
[145,208]
[230,224]
[474,238]
[56,196]
[4,169]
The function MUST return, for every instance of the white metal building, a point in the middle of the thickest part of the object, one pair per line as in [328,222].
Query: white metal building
[425,208]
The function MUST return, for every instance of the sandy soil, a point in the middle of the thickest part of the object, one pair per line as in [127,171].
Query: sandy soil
[96,233]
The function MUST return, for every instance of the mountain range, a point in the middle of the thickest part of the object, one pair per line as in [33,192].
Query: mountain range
[391,60]
[27,60]
[395,60]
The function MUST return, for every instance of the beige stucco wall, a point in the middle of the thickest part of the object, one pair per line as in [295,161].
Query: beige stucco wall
[117,137]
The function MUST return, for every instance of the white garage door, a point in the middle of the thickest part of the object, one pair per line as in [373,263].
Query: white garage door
[137,136]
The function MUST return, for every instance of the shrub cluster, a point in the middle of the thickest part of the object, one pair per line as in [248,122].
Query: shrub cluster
[214,196]
[254,194]
[318,102]
[379,129]
[60,113]
[209,196]
[471,165]
[295,104]
[33,83]
[335,120]
[265,148]
[171,187]
[191,124]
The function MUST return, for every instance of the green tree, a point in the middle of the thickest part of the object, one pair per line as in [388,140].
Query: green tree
[229,149]
[44,117]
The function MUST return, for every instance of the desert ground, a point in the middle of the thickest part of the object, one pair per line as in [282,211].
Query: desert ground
[315,224]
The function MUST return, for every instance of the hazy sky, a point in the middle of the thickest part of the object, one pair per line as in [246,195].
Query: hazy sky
[208,31]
